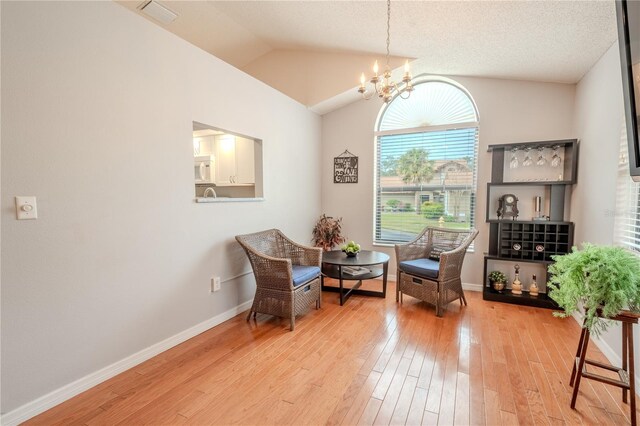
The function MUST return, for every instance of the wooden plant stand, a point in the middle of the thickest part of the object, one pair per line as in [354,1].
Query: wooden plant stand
[626,373]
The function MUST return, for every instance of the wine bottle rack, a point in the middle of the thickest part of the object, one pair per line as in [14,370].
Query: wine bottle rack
[534,241]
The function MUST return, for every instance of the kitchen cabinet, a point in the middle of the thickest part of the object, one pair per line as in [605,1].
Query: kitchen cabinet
[235,161]
[245,161]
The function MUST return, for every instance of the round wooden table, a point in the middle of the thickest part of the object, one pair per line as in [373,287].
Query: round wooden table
[336,264]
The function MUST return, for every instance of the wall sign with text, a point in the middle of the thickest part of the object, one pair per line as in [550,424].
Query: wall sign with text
[345,168]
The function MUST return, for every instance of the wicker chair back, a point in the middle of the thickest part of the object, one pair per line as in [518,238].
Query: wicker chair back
[272,256]
[448,247]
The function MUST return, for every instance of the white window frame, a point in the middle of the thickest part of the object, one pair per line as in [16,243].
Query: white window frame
[444,127]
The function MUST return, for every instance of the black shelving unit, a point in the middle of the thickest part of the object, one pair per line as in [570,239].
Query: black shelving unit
[557,191]
[505,296]
[535,241]
[569,167]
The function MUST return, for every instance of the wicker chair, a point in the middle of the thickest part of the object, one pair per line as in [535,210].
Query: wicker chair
[429,266]
[287,274]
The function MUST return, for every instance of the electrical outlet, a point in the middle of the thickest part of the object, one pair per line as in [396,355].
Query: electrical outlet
[215,284]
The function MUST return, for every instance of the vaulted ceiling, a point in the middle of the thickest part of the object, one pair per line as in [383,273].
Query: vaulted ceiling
[314,51]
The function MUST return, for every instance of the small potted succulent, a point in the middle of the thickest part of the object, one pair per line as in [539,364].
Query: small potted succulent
[351,249]
[601,280]
[498,280]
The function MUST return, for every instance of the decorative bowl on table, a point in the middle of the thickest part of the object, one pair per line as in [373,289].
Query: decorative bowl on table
[351,249]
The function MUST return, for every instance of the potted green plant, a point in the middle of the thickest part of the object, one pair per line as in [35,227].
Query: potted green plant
[327,232]
[604,278]
[498,280]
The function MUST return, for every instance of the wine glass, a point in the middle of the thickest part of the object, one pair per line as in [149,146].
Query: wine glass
[555,159]
[527,157]
[542,161]
[513,164]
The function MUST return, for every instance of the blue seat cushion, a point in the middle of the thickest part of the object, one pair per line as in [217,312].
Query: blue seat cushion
[427,268]
[302,274]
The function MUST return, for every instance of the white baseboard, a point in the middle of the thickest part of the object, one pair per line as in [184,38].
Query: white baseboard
[612,356]
[472,287]
[66,392]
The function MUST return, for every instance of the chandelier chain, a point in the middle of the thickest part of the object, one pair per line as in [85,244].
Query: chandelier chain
[383,86]
[388,29]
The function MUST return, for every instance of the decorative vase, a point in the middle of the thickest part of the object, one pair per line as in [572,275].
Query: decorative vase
[516,286]
[533,288]
[351,254]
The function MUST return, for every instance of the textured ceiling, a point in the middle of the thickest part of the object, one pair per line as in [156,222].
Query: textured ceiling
[554,41]
[541,40]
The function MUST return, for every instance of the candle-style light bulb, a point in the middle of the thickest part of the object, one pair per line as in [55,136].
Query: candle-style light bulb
[375,68]
[407,76]
[362,87]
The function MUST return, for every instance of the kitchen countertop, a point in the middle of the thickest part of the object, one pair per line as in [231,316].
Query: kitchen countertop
[226,199]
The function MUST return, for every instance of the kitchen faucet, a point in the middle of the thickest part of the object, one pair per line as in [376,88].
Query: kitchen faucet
[210,192]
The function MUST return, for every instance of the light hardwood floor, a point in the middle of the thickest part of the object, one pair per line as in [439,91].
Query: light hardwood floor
[369,362]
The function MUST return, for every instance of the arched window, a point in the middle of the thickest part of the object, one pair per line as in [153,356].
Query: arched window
[426,157]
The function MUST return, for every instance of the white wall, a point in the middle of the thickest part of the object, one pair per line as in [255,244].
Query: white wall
[599,123]
[97,109]
[510,111]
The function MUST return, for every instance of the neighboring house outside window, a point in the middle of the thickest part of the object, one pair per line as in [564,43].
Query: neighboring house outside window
[426,161]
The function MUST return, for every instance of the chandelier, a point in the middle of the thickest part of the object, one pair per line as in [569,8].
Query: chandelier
[383,85]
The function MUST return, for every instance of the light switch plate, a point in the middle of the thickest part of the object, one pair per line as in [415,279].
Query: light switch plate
[26,208]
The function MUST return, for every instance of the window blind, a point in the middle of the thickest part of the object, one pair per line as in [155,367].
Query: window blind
[627,209]
[422,177]
[433,103]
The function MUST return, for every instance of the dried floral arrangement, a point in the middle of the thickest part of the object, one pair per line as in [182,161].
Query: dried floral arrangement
[328,232]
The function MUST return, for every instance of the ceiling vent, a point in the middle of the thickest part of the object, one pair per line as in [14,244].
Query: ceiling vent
[158,12]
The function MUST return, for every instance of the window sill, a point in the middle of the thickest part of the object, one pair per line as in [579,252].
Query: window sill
[227,200]
[391,245]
